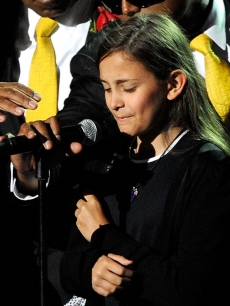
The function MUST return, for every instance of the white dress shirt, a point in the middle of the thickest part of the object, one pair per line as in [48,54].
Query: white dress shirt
[67,41]
[215,28]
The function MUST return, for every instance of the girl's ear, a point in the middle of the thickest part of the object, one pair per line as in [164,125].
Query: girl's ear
[176,84]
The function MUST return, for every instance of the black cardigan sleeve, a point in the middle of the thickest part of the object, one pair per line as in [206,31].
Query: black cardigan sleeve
[196,243]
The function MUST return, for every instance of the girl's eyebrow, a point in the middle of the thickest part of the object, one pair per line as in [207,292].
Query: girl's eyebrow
[119,81]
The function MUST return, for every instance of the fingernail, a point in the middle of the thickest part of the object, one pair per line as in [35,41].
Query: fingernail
[2,118]
[36,96]
[19,110]
[58,137]
[48,145]
[33,104]
[31,133]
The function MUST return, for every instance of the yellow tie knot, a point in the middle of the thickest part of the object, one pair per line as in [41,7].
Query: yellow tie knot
[217,75]
[203,44]
[45,27]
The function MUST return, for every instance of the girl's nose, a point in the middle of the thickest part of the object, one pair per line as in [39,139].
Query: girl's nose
[115,102]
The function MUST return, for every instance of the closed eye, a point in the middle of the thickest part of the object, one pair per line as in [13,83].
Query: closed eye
[130,90]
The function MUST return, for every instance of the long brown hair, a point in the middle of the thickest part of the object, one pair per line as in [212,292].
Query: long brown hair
[157,41]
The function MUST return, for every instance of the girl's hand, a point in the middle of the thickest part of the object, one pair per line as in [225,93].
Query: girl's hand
[110,273]
[89,215]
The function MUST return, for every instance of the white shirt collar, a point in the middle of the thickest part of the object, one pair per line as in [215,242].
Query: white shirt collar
[171,146]
[214,26]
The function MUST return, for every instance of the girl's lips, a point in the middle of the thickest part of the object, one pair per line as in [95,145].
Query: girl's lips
[122,118]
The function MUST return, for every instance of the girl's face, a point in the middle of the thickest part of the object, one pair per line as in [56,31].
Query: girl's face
[134,96]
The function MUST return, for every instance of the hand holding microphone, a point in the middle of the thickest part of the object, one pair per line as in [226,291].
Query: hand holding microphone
[47,137]
[86,132]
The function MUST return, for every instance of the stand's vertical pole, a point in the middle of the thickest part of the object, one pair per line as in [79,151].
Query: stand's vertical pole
[41,175]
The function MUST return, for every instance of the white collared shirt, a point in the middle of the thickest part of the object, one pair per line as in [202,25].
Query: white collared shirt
[215,28]
[67,41]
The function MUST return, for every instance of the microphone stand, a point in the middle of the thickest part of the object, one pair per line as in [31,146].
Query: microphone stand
[41,175]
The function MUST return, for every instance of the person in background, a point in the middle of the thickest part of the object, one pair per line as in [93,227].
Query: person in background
[73,29]
[75,18]
[19,278]
[155,230]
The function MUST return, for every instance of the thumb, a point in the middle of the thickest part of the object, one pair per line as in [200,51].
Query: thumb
[120,259]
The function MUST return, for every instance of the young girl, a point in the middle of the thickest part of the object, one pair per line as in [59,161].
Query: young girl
[156,231]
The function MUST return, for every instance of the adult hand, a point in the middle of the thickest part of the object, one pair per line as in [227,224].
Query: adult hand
[89,215]
[25,164]
[110,273]
[15,98]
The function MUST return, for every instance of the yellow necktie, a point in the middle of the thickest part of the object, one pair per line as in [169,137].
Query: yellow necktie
[43,72]
[217,75]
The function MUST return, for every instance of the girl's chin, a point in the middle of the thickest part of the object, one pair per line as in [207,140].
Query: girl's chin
[127,132]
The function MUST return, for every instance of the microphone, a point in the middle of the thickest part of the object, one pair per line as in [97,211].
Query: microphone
[86,132]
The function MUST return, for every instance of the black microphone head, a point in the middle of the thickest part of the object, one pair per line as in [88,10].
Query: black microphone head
[92,132]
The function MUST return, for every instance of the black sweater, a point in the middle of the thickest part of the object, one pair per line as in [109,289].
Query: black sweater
[176,232]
